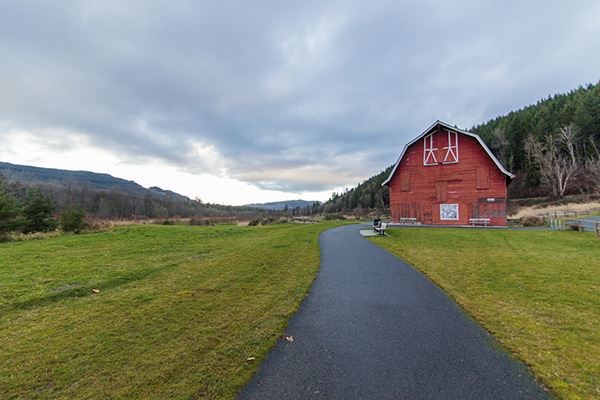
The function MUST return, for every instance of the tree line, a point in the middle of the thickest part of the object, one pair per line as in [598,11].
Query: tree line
[34,214]
[553,146]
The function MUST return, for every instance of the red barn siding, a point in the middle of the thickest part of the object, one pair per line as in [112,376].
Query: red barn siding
[475,183]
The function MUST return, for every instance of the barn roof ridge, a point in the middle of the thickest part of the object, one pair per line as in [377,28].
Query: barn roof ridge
[455,129]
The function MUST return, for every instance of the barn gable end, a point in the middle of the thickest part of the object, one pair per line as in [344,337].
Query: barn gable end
[448,176]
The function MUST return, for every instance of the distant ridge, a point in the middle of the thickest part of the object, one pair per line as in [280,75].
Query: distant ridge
[31,175]
[106,196]
[280,205]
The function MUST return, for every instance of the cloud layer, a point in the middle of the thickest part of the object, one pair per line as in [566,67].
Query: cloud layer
[292,96]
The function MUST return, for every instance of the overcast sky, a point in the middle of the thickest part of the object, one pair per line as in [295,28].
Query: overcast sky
[238,102]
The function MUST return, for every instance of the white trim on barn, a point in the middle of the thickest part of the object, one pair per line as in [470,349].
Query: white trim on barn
[448,127]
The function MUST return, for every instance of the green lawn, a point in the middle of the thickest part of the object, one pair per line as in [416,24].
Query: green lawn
[538,292]
[180,309]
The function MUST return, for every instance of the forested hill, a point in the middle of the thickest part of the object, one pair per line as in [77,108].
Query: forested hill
[31,175]
[506,134]
[529,139]
[558,133]
[367,195]
[106,196]
[286,205]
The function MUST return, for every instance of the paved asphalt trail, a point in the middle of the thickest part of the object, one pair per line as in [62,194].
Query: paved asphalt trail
[374,328]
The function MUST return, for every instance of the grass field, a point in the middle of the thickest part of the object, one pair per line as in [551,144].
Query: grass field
[538,292]
[179,311]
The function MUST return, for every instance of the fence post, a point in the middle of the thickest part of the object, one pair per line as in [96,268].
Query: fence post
[598,229]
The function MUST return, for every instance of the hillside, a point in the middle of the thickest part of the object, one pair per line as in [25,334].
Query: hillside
[106,196]
[508,137]
[36,175]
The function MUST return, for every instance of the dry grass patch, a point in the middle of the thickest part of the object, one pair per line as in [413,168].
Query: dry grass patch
[592,207]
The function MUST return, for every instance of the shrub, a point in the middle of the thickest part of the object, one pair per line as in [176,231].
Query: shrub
[334,216]
[269,221]
[200,221]
[168,222]
[532,220]
[254,222]
[72,220]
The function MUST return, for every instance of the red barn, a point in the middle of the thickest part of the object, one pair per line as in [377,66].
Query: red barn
[448,176]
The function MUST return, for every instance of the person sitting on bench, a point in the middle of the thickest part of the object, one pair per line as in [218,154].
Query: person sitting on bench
[376,224]
[381,228]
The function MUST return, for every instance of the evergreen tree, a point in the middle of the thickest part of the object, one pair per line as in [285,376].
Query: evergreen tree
[38,212]
[9,213]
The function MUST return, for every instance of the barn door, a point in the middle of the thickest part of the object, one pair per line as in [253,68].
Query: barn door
[427,213]
[484,212]
[441,189]
[491,207]
[396,212]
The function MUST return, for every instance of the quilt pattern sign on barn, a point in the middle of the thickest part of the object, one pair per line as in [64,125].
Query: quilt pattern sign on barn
[449,212]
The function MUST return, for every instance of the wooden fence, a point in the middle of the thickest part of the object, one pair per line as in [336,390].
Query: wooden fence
[581,225]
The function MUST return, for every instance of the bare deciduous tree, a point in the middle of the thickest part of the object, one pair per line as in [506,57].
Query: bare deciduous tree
[556,158]
[567,137]
[592,166]
[500,143]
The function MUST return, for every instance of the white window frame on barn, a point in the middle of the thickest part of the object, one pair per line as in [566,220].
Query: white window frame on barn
[429,151]
[451,151]
[444,208]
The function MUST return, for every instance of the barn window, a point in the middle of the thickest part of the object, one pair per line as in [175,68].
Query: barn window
[449,212]
[429,157]
[405,181]
[483,178]
[451,151]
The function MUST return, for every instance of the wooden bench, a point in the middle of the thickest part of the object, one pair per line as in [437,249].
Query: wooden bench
[381,228]
[408,221]
[479,221]
[574,224]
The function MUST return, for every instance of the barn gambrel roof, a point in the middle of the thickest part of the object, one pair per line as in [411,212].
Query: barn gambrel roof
[446,126]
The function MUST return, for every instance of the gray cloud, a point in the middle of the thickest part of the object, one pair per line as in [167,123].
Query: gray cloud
[288,95]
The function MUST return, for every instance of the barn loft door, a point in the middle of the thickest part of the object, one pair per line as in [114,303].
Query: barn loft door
[429,151]
[451,150]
